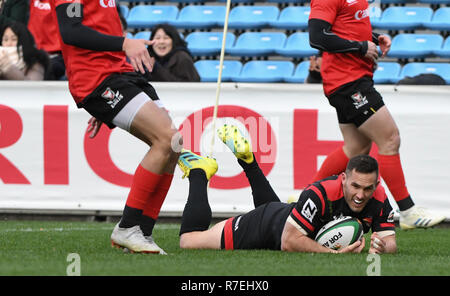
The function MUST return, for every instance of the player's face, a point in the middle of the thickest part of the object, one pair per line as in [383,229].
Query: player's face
[358,189]
[9,38]
[163,43]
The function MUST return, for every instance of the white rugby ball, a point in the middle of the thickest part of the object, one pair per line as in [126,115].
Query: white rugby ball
[340,233]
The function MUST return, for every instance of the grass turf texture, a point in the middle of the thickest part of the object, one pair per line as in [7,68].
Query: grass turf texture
[41,248]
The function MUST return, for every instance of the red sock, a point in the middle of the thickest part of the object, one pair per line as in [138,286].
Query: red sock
[392,173]
[143,186]
[154,203]
[334,164]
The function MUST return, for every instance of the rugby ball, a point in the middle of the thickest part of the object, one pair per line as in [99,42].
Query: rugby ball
[340,233]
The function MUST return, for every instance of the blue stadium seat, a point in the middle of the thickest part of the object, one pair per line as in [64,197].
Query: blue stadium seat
[187,1]
[265,71]
[375,13]
[387,72]
[256,44]
[292,18]
[199,16]
[240,1]
[434,1]
[415,45]
[397,1]
[209,70]
[251,17]
[297,46]
[208,43]
[444,51]
[300,74]
[124,10]
[288,1]
[147,16]
[129,35]
[404,17]
[440,20]
[143,35]
[413,69]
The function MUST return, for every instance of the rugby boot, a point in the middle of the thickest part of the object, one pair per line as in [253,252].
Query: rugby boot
[132,239]
[419,217]
[238,144]
[189,161]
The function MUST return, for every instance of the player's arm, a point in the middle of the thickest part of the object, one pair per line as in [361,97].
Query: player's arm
[383,238]
[302,222]
[74,33]
[322,38]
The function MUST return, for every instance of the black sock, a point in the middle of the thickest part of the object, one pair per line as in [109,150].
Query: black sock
[197,212]
[130,217]
[147,224]
[261,190]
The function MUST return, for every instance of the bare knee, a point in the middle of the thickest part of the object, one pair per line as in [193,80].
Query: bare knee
[187,241]
[390,144]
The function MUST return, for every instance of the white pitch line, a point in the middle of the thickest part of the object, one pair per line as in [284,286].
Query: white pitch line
[61,229]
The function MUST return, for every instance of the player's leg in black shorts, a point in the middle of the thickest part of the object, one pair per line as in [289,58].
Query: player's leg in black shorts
[262,191]
[356,101]
[260,228]
[118,98]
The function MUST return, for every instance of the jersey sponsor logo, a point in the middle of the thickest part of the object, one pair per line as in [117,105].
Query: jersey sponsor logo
[112,98]
[41,6]
[351,2]
[236,225]
[359,100]
[107,3]
[360,14]
[390,218]
[309,210]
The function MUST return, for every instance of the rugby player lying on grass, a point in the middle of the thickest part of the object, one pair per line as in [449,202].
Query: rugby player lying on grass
[276,225]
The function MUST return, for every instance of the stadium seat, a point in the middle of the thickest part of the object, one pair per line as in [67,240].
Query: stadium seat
[208,43]
[188,1]
[297,46]
[415,45]
[288,1]
[240,1]
[292,18]
[413,69]
[434,1]
[444,51]
[404,17]
[265,71]
[251,17]
[147,16]
[124,10]
[387,72]
[300,74]
[375,13]
[199,16]
[209,70]
[143,35]
[440,20]
[256,44]
[397,1]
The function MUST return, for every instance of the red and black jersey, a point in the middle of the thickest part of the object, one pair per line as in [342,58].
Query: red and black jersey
[324,201]
[87,68]
[349,20]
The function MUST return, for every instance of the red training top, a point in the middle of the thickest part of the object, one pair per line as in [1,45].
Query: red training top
[43,27]
[85,68]
[349,20]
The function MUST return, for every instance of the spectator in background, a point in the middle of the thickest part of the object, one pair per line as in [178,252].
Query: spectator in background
[173,62]
[314,76]
[19,57]
[46,37]
[13,11]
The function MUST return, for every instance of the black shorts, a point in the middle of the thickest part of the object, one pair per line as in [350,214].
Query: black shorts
[260,228]
[356,101]
[114,93]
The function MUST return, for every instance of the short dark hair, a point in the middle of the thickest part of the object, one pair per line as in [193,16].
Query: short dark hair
[362,164]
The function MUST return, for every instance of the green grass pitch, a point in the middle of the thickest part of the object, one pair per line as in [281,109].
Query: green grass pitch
[42,248]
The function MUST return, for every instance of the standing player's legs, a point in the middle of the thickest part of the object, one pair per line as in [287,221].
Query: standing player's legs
[146,120]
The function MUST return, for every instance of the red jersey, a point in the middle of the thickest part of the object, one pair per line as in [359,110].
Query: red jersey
[85,68]
[43,27]
[349,20]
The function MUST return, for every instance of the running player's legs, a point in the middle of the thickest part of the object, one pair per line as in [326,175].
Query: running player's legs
[355,142]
